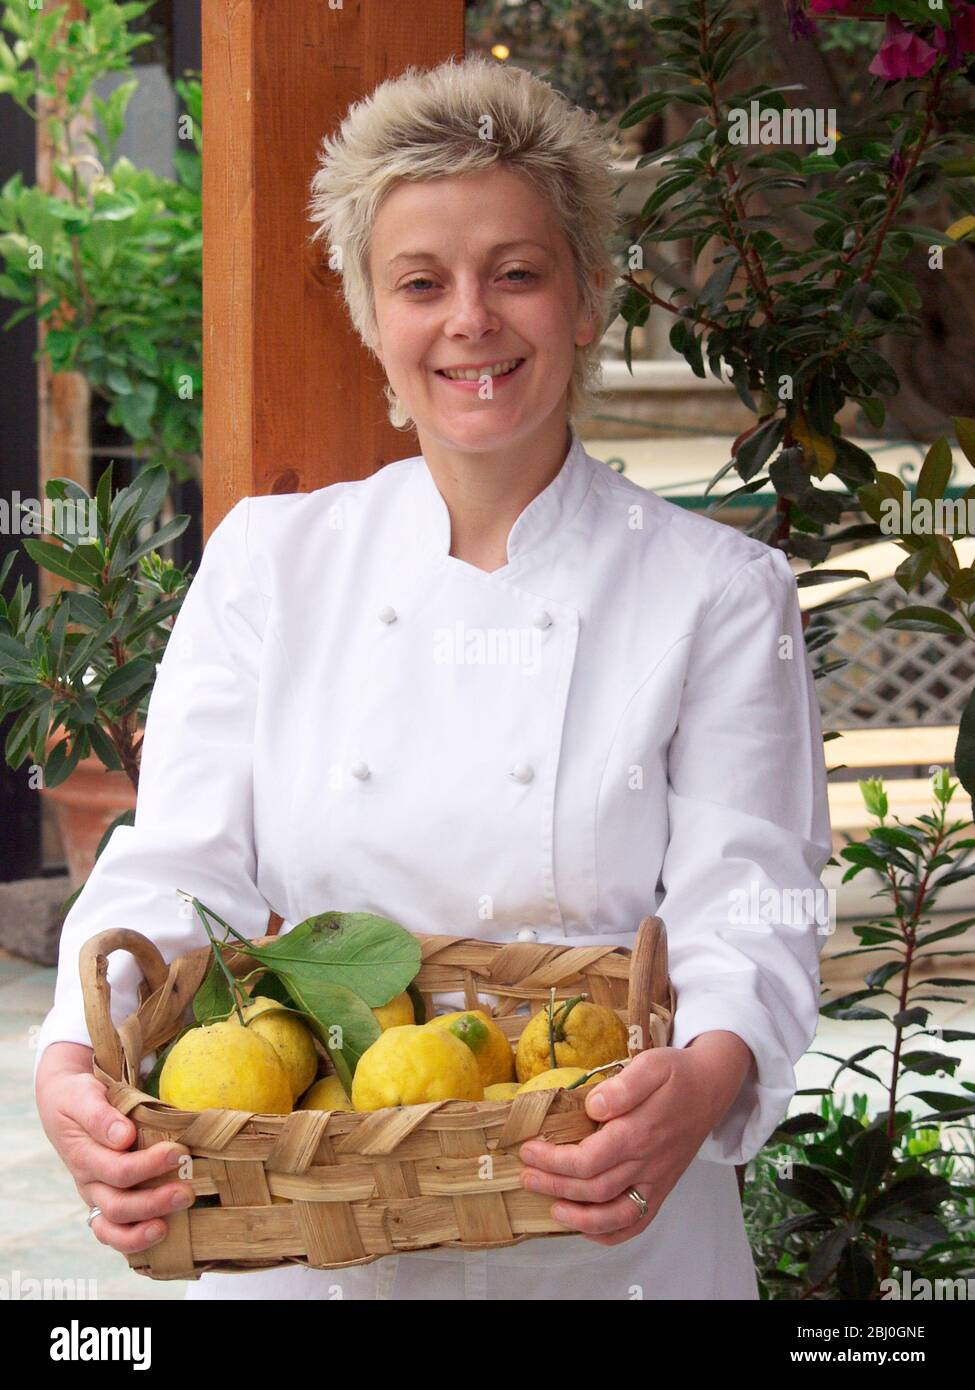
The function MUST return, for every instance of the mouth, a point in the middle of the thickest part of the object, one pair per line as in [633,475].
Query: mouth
[482,375]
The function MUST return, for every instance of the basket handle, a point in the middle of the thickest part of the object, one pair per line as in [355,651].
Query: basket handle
[648,976]
[97,993]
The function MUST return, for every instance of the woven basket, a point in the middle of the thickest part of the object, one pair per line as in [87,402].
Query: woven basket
[357,1187]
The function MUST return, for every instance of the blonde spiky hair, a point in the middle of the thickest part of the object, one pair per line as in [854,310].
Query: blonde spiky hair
[428,125]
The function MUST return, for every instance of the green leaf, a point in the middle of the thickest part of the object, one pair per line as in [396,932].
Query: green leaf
[345,1025]
[965,746]
[134,676]
[922,1230]
[270,986]
[917,1192]
[372,956]
[754,451]
[935,471]
[163,536]
[214,999]
[929,1063]
[150,487]
[814,1189]
[942,933]
[103,746]
[921,619]
[825,1256]
[61,763]
[56,559]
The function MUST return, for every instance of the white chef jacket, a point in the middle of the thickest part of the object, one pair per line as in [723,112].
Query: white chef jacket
[621,720]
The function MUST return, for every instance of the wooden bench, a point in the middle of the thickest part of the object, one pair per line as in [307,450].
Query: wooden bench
[921,747]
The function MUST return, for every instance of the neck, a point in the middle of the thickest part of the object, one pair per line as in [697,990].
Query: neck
[486,491]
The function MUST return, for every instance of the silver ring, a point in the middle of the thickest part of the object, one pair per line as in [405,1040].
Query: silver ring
[92,1213]
[640,1201]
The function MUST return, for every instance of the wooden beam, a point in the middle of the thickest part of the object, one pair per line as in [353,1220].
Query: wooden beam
[292,401]
[63,398]
[910,746]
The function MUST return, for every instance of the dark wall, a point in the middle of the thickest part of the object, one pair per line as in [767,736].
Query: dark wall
[20,812]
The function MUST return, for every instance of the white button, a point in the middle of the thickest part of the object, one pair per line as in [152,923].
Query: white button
[387,614]
[527,934]
[521,772]
[359,770]
[542,619]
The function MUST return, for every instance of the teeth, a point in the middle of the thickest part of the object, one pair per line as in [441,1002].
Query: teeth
[475,374]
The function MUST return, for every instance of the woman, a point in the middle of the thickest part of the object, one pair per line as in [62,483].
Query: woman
[493,690]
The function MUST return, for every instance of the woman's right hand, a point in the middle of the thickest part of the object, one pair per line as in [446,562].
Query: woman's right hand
[92,1138]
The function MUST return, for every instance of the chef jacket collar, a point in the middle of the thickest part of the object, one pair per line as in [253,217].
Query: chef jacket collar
[544,516]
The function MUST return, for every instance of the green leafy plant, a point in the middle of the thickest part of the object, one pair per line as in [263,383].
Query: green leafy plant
[115,266]
[875,1196]
[800,298]
[85,663]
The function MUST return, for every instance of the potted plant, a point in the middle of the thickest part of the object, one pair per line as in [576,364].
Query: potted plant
[78,672]
[879,1199]
[112,264]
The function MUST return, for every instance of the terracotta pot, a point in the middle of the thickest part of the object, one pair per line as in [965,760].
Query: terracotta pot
[85,804]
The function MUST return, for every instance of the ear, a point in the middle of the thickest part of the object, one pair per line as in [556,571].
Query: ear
[587,328]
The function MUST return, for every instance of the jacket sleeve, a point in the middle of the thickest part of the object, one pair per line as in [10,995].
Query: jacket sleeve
[194,826]
[749,837]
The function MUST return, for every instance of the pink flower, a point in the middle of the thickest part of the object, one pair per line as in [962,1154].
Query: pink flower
[902,53]
[828,6]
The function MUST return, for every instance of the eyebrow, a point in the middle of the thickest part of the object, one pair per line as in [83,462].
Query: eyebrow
[432,256]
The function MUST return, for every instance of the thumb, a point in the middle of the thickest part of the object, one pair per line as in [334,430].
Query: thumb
[100,1120]
[627,1088]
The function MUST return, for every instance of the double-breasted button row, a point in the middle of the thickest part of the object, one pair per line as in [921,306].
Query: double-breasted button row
[521,772]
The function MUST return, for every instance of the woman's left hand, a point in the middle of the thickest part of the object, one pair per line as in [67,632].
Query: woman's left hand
[659,1110]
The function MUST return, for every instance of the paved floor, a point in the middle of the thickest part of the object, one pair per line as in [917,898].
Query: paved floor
[42,1218]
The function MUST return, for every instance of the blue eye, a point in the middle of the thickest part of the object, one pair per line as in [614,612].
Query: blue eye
[425,280]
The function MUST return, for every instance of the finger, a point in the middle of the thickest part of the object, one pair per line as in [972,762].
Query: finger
[632,1085]
[602,1188]
[85,1103]
[619,1141]
[128,1240]
[604,1218]
[93,1162]
[128,1208]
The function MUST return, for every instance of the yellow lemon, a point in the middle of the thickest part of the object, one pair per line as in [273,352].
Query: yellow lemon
[290,1037]
[327,1094]
[557,1077]
[412,1064]
[502,1090]
[587,1035]
[398,1013]
[223,1066]
[491,1049]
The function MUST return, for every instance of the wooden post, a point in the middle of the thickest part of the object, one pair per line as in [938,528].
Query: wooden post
[63,398]
[292,401]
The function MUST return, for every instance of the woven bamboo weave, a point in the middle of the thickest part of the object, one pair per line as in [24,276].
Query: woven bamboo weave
[330,1189]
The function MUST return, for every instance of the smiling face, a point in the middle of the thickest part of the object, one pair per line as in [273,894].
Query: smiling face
[467,271]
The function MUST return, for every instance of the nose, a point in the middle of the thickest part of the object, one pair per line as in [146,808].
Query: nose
[469,313]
